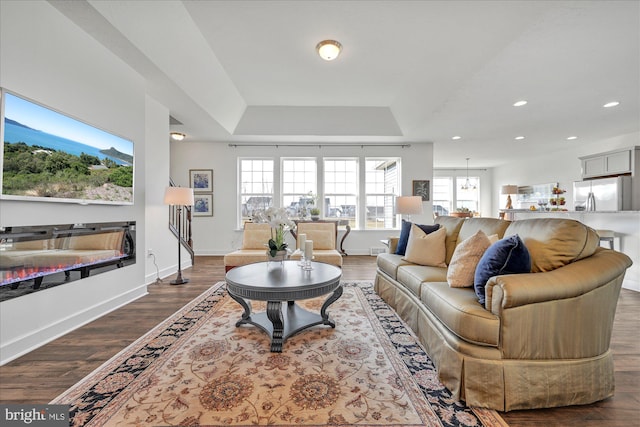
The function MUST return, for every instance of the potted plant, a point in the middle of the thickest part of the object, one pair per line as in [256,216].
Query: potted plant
[280,223]
[315,213]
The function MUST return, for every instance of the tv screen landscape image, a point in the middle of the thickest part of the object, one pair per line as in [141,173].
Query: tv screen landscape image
[49,156]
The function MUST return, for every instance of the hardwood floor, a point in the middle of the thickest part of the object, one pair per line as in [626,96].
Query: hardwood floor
[41,375]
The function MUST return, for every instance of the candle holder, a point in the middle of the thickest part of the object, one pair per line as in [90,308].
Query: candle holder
[306,266]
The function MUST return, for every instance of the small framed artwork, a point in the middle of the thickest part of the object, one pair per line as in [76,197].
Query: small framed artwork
[201,180]
[421,188]
[203,205]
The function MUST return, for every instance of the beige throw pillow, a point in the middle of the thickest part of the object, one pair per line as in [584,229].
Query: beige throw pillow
[465,260]
[426,249]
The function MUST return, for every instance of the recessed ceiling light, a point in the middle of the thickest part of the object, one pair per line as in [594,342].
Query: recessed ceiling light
[329,49]
[519,138]
[520,103]
[611,104]
[571,138]
[177,136]
[456,137]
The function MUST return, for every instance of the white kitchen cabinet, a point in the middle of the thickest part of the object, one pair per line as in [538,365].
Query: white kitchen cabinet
[611,163]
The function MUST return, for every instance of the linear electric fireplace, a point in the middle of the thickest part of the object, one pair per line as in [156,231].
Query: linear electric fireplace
[33,258]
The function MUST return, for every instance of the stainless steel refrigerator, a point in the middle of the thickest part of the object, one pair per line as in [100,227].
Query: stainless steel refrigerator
[609,194]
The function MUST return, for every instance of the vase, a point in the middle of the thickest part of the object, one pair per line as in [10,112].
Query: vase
[279,257]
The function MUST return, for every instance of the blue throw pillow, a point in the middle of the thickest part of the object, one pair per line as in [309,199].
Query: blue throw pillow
[506,256]
[404,234]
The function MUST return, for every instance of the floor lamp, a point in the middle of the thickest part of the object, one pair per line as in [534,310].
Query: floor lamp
[408,205]
[179,197]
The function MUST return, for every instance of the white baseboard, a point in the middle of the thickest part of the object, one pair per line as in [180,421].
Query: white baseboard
[37,338]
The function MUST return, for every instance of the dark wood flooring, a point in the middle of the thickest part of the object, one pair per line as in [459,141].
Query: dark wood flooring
[44,373]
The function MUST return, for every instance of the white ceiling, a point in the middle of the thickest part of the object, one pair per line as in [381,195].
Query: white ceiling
[410,71]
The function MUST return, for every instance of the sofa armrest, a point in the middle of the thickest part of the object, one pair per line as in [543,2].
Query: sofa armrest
[569,281]
[393,244]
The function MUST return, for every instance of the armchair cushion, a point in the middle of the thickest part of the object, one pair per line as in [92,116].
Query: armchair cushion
[256,235]
[323,234]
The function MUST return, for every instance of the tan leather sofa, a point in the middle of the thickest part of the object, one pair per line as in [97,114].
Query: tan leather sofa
[541,339]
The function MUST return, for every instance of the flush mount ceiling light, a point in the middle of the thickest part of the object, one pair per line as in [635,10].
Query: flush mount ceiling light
[328,49]
[519,138]
[177,136]
[520,103]
[455,138]
[571,138]
[611,104]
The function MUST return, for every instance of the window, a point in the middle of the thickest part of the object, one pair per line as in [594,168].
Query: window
[341,189]
[442,195]
[450,194]
[333,184]
[382,185]
[468,193]
[299,185]
[256,186]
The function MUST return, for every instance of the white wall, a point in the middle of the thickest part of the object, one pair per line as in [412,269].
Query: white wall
[562,165]
[219,234]
[158,238]
[45,57]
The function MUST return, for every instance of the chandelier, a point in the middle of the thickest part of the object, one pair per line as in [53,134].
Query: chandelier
[467,185]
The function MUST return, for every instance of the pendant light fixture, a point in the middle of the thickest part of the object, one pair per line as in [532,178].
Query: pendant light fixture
[467,185]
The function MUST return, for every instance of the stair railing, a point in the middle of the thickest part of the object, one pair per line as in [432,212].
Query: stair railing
[185,226]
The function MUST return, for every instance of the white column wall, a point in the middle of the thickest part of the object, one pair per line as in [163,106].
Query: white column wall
[45,57]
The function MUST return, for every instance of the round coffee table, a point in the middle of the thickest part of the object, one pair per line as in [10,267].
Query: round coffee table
[278,282]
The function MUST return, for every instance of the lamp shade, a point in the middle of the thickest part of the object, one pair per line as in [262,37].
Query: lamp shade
[178,196]
[408,205]
[509,189]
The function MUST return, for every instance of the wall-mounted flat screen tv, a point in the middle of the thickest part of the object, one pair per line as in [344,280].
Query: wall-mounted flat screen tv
[49,156]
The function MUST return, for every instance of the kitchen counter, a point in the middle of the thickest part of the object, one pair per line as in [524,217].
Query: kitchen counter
[625,225]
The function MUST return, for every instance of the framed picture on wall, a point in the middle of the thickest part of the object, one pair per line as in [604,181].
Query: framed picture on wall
[203,205]
[201,180]
[421,188]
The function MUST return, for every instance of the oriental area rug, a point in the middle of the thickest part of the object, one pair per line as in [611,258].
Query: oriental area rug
[198,369]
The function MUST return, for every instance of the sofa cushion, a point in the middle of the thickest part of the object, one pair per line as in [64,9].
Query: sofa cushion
[426,249]
[554,242]
[459,310]
[405,230]
[465,258]
[453,225]
[389,263]
[414,276]
[488,226]
[506,256]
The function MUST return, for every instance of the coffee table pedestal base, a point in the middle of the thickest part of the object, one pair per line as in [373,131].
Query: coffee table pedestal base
[281,321]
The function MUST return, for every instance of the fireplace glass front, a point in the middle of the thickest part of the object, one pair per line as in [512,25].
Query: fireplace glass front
[34,258]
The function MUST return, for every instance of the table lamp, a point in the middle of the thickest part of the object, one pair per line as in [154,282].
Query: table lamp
[179,197]
[509,190]
[408,205]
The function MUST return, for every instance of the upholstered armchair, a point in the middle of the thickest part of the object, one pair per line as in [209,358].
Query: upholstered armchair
[254,240]
[324,235]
